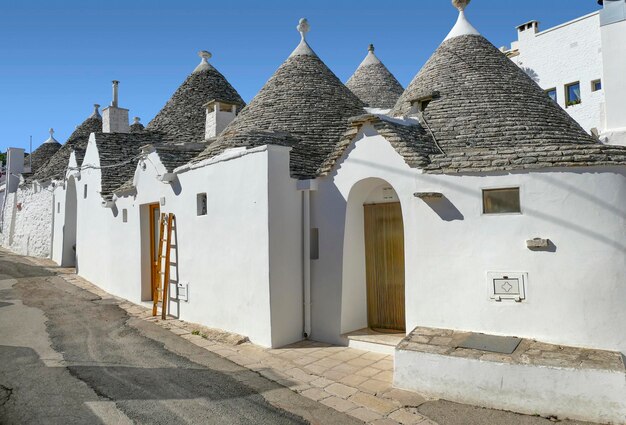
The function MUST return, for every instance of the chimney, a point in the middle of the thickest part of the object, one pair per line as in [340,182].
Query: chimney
[527,30]
[613,34]
[15,167]
[114,119]
[219,113]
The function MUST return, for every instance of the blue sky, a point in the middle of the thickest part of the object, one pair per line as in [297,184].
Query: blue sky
[57,58]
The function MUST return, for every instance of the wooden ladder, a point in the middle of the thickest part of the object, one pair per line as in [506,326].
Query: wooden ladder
[162,264]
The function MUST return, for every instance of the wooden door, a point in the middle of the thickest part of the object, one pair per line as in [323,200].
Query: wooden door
[384,264]
[155,215]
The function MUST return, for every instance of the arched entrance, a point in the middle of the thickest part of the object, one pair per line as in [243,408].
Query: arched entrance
[69,226]
[373,294]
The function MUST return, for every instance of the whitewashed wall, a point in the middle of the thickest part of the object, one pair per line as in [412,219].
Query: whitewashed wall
[574,295]
[240,278]
[565,54]
[27,223]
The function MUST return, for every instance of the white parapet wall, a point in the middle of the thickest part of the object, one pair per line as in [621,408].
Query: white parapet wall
[584,394]
[27,221]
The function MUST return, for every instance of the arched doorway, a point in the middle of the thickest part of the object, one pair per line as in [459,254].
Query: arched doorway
[373,287]
[69,226]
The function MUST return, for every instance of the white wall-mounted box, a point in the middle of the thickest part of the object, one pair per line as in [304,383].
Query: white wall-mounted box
[507,285]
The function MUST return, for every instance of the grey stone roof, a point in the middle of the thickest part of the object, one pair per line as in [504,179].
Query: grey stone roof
[527,156]
[481,99]
[42,155]
[374,84]
[303,105]
[136,127]
[183,118]
[409,139]
[172,156]
[118,153]
[55,167]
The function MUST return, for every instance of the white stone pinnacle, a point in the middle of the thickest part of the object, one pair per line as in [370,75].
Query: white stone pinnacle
[371,58]
[303,48]
[462,26]
[303,27]
[136,120]
[51,139]
[204,61]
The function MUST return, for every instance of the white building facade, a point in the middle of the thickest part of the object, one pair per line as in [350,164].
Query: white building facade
[580,64]
[308,217]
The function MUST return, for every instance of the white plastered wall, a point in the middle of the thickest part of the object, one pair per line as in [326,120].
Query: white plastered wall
[240,278]
[27,223]
[575,291]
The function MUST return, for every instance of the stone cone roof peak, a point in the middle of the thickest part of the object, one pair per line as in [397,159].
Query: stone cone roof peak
[51,139]
[462,26]
[56,165]
[374,84]
[472,96]
[303,105]
[96,112]
[204,61]
[370,58]
[183,118]
[303,48]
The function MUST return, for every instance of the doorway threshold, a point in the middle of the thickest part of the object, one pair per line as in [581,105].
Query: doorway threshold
[375,341]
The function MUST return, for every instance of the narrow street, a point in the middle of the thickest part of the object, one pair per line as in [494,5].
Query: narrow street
[68,356]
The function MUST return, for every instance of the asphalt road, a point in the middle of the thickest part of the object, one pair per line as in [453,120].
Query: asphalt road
[69,357]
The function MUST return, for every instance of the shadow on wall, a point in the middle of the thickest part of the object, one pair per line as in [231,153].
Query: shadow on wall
[581,229]
[444,208]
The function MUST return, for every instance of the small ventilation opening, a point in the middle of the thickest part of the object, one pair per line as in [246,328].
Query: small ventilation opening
[85,192]
[201,204]
[125,215]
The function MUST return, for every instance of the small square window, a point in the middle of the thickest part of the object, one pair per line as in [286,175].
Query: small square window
[552,94]
[572,94]
[201,204]
[501,201]
[596,85]
[125,215]
[85,192]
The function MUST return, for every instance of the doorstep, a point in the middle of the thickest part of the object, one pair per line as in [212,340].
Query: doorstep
[370,340]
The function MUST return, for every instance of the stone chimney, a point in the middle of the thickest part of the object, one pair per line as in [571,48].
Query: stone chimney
[613,34]
[115,119]
[527,30]
[219,114]
[15,167]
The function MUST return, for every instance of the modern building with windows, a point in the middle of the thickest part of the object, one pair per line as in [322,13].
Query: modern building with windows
[579,67]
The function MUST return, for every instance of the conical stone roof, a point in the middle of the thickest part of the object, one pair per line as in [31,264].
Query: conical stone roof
[303,105]
[480,98]
[43,153]
[374,84]
[183,118]
[55,167]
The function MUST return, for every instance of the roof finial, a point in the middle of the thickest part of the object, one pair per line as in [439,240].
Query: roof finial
[303,27]
[96,113]
[136,120]
[51,139]
[462,26]
[460,4]
[204,62]
[370,48]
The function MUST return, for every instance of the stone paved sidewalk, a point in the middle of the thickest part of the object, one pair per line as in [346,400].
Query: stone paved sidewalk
[356,382]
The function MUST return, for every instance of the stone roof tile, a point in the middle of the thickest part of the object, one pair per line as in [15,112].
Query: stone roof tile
[183,118]
[482,99]
[374,84]
[303,105]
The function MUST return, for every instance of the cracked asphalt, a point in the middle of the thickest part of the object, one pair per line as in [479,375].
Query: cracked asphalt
[69,357]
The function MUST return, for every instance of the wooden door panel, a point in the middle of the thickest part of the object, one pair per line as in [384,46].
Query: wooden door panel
[384,263]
